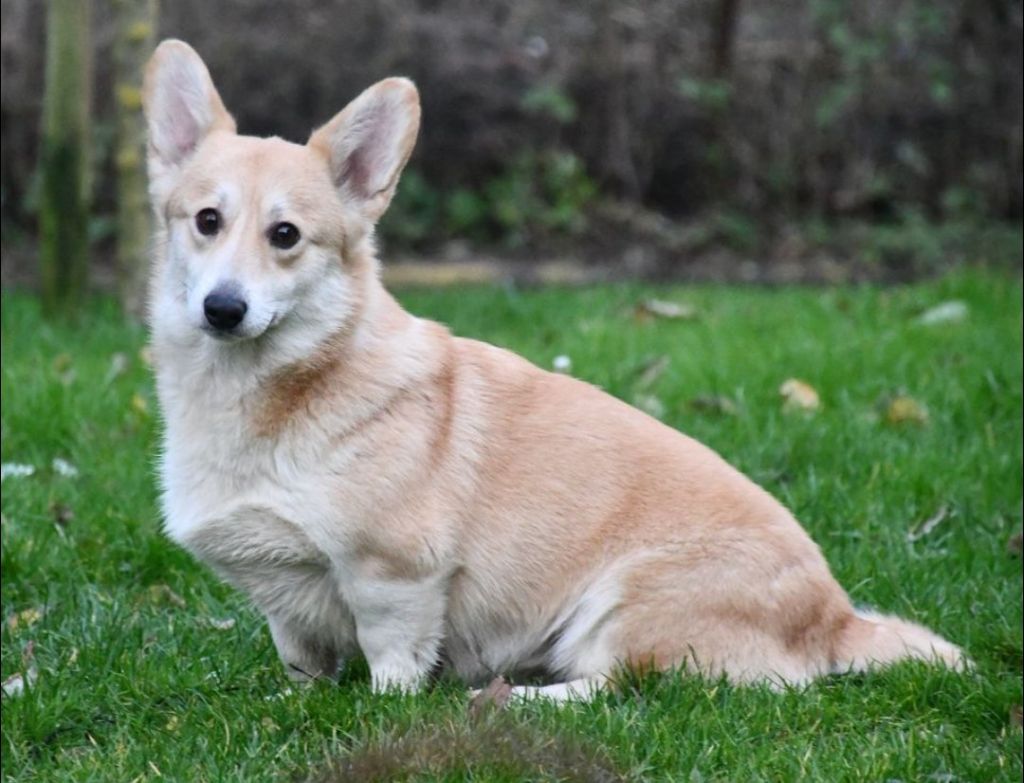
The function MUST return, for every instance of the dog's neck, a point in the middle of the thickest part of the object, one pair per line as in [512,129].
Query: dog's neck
[360,360]
[358,369]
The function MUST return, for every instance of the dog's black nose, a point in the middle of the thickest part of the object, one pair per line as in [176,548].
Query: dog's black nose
[224,311]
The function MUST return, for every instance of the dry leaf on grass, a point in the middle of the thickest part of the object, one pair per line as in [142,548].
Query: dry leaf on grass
[64,468]
[799,395]
[494,696]
[118,365]
[221,623]
[926,527]
[162,594]
[660,308]
[24,618]
[716,404]
[650,405]
[64,368]
[15,684]
[651,370]
[139,404]
[1016,716]
[944,313]
[903,409]
[1015,543]
[62,513]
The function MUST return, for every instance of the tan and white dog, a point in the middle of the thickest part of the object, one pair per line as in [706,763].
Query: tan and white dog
[378,485]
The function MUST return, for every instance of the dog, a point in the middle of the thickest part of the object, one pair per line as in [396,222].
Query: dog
[377,485]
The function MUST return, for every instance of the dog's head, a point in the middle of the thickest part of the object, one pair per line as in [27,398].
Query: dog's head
[260,233]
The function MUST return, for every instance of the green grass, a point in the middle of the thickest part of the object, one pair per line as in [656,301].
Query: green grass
[135,683]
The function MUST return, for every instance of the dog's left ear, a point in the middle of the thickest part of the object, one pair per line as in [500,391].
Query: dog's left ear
[368,143]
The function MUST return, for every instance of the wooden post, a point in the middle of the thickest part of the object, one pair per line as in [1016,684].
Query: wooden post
[723,36]
[136,22]
[64,156]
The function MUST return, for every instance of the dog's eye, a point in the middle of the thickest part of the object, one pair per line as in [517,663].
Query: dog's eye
[208,222]
[283,235]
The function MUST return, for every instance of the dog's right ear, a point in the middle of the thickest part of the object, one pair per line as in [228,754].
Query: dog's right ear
[181,104]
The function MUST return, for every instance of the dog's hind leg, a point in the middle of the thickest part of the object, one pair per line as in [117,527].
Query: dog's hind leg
[582,689]
[304,659]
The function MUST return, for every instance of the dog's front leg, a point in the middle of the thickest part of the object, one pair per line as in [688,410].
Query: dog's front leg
[400,626]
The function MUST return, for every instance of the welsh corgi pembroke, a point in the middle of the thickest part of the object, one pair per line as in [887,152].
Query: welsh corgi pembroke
[379,486]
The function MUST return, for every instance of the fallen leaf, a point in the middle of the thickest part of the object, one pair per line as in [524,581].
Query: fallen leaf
[944,313]
[922,529]
[15,684]
[15,470]
[651,370]
[799,395]
[163,594]
[64,368]
[905,410]
[495,696]
[139,404]
[562,364]
[62,513]
[1017,716]
[221,624]
[1015,543]
[650,405]
[660,308]
[714,404]
[24,618]
[64,468]
[118,365]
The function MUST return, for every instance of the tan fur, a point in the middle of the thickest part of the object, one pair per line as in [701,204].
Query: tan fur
[537,522]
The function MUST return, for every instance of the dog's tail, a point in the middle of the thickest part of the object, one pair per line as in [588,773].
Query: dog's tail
[870,639]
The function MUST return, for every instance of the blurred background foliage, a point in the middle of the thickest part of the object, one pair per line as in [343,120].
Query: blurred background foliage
[685,137]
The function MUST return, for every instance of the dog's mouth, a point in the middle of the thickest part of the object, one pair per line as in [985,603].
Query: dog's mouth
[239,334]
[223,335]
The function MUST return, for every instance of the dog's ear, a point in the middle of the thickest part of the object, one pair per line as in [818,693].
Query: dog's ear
[181,104]
[368,143]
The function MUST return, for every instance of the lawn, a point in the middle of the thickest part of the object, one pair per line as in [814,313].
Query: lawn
[148,667]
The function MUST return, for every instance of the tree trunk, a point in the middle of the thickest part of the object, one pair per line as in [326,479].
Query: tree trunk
[135,38]
[723,34]
[64,156]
